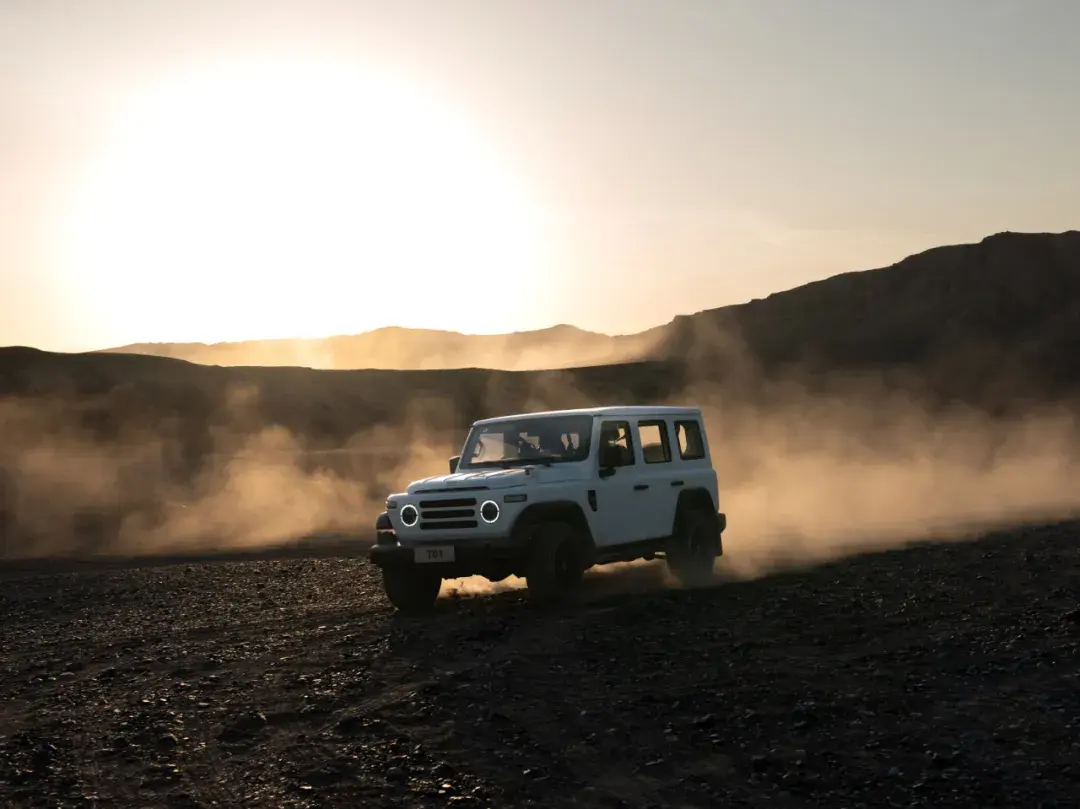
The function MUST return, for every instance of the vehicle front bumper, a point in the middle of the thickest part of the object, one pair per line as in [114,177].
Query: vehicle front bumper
[472,555]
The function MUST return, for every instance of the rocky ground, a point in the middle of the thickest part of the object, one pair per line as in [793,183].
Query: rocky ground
[933,676]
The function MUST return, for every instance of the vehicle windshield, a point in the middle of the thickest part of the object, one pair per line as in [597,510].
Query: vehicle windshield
[536,440]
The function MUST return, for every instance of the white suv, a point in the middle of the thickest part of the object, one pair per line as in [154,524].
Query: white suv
[548,495]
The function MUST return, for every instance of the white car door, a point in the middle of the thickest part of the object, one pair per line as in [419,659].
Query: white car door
[660,473]
[621,497]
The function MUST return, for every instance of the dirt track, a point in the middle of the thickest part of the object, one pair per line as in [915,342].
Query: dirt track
[937,676]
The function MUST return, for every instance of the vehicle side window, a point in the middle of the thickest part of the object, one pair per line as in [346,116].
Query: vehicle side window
[616,445]
[691,445]
[655,446]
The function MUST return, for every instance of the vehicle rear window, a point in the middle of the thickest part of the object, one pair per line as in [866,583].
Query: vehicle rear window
[691,444]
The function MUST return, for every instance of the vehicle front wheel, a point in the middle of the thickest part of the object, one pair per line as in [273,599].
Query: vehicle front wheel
[411,591]
[692,553]
[555,566]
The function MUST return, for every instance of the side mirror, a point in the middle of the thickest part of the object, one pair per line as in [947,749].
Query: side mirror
[454,463]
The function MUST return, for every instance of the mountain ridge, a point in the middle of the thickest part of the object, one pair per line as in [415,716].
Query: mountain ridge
[404,348]
[567,346]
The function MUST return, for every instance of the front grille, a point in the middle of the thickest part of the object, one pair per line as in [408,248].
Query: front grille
[453,513]
[448,514]
[439,504]
[447,525]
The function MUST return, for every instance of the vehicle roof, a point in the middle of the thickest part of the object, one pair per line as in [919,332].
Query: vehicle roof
[625,411]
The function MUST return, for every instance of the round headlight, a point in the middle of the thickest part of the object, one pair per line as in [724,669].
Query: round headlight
[489,511]
[409,516]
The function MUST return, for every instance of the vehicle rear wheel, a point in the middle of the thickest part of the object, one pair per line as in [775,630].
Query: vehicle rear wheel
[555,566]
[692,554]
[411,591]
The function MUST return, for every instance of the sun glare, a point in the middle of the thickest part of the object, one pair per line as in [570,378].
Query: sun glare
[275,200]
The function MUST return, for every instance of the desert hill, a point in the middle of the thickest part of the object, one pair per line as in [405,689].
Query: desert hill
[1011,293]
[266,452]
[1008,306]
[396,348]
[991,322]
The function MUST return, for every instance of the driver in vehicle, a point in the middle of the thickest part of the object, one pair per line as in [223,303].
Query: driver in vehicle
[551,443]
[613,444]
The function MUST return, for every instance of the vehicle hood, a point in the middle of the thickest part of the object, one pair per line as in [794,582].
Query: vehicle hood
[499,478]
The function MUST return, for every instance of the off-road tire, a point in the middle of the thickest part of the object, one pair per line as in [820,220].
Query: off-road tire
[411,591]
[692,552]
[555,566]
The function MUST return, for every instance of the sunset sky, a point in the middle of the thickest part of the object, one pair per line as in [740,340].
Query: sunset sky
[173,170]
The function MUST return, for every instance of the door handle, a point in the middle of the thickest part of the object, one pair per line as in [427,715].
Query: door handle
[640,487]
[676,483]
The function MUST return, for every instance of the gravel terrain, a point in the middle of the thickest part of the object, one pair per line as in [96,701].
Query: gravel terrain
[939,675]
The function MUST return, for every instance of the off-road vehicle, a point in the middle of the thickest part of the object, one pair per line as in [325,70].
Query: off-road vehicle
[545,496]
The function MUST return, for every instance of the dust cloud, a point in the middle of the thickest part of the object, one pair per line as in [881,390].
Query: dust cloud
[65,492]
[814,480]
[805,476]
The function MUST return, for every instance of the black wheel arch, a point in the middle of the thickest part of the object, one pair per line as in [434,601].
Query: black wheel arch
[566,511]
[695,499]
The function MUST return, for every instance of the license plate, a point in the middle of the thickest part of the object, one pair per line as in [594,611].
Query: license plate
[439,553]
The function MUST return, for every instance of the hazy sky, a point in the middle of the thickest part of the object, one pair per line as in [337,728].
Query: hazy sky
[177,170]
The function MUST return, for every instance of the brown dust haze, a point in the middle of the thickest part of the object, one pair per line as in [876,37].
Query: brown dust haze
[804,476]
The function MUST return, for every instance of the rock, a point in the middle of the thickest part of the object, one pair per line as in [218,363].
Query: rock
[167,741]
[243,727]
[706,721]
[350,725]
